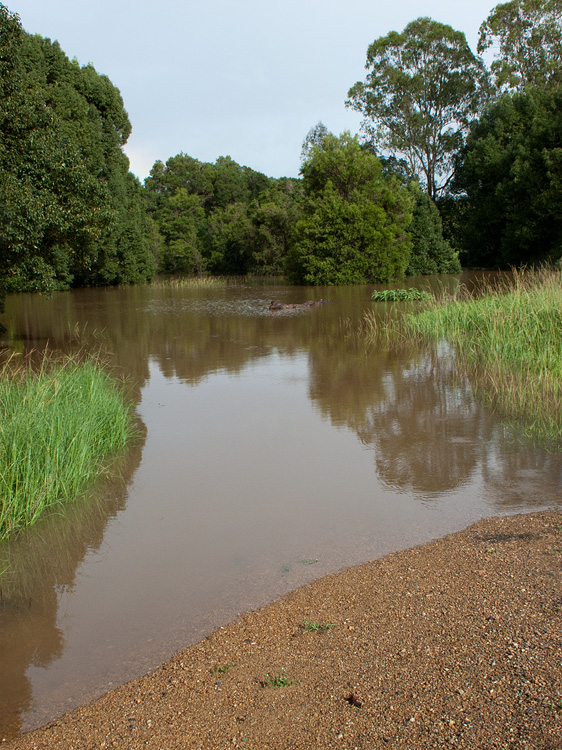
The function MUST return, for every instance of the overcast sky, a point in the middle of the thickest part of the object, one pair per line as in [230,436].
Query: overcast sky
[244,78]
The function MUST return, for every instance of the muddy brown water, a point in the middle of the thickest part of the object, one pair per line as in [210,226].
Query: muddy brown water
[275,448]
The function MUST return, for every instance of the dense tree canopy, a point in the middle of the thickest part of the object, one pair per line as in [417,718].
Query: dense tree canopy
[527,35]
[221,217]
[354,229]
[431,253]
[511,173]
[70,212]
[423,88]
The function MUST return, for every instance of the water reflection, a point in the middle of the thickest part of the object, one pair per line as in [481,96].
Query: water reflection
[39,569]
[271,440]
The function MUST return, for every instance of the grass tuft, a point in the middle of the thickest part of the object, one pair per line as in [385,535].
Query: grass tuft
[190,282]
[222,668]
[278,680]
[310,626]
[57,423]
[508,340]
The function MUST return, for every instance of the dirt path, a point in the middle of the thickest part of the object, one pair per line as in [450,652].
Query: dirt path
[454,644]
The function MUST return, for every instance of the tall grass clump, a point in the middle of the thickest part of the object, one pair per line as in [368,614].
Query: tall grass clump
[510,341]
[57,424]
[190,282]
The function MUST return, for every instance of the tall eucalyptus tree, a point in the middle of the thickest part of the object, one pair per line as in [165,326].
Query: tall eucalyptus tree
[527,35]
[423,87]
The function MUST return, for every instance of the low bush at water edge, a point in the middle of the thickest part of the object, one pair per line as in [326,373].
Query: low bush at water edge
[57,424]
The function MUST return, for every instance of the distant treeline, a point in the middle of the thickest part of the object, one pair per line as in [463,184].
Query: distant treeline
[456,163]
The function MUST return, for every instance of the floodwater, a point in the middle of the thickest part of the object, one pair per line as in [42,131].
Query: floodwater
[275,448]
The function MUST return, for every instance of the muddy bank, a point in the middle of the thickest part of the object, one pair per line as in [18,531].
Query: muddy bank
[454,644]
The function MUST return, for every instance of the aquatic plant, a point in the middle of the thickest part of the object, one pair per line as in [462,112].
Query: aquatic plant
[59,422]
[508,341]
[400,295]
[190,282]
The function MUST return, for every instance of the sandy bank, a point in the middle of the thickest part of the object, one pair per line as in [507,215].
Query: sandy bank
[454,644]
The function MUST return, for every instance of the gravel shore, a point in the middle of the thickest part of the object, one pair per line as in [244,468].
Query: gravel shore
[457,643]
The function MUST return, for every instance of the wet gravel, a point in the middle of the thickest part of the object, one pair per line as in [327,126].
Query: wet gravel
[457,643]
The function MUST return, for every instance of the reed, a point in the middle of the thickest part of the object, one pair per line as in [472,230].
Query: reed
[508,340]
[190,282]
[58,423]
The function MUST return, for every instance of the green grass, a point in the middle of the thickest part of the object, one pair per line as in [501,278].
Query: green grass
[310,626]
[278,680]
[400,295]
[508,340]
[57,424]
[222,668]
[190,282]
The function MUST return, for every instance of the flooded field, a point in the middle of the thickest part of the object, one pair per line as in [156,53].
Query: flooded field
[275,447]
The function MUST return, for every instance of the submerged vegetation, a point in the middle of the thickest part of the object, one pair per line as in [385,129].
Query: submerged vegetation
[58,424]
[507,339]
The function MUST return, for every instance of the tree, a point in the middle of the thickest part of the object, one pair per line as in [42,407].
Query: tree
[70,211]
[314,137]
[423,88]
[125,255]
[431,253]
[230,232]
[528,34]
[201,212]
[181,223]
[511,173]
[52,209]
[354,229]
[274,216]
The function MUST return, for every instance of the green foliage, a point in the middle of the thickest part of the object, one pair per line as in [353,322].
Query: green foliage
[201,214]
[57,425]
[422,89]
[229,230]
[509,339]
[511,172]
[310,626]
[400,295]
[431,253]
[70,212]
[528,37]
[278,680]
[354,229]
[274,216]
[314,137]
[453,211]
[222,668]
[181,222]
[125,256]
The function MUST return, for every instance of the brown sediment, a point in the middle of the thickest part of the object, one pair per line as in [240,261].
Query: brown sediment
[276,306]
[454,644]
